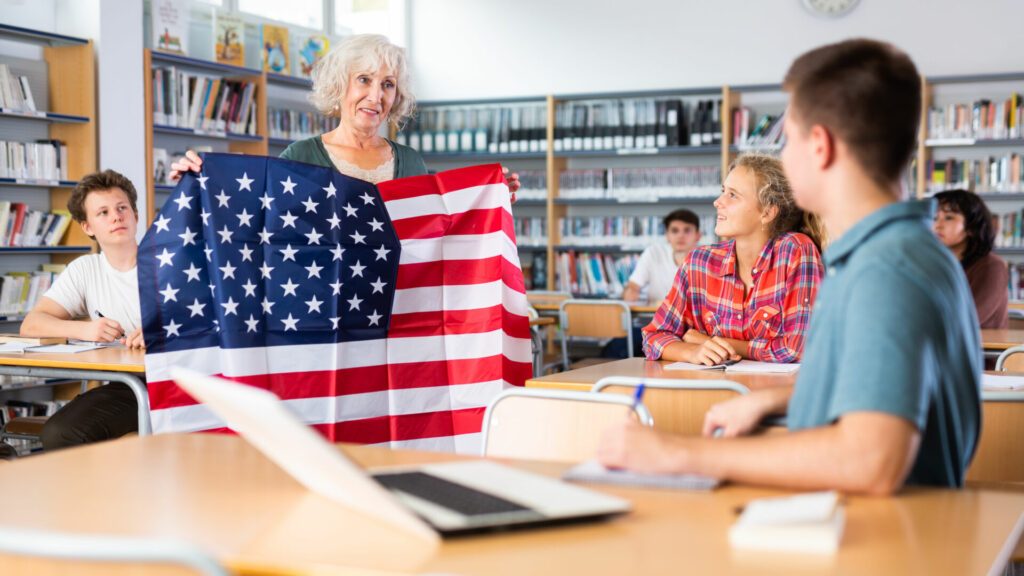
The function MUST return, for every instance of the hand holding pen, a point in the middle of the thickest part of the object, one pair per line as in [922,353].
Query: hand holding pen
[102,329]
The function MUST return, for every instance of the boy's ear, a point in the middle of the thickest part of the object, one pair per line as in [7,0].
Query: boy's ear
[823,146]
[87,229]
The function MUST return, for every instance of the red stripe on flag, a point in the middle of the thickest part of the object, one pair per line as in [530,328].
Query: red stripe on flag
[405,426]
[460,273]
[477,221]
[325,383]
[477,320]
[442,183]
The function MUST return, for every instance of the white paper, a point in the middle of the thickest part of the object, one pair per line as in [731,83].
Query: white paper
[63,348]
[741,367]
[799,509]
[1000,382]
[13,347]
[593,471]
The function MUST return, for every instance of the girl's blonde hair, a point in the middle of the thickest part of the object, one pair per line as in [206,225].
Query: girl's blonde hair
[773,190]
[362,53]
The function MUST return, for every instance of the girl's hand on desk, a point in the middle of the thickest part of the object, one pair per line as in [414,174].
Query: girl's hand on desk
[640,448]
[695,337]
[101,330]
[134,340]
[713,351]
[736,417]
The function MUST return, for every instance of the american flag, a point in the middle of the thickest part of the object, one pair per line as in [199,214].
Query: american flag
[381,315]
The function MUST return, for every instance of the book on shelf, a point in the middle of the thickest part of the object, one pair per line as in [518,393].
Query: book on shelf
[25,227]
[161,162]
[39,160]
[593,273]
[310,50]
[993,174]
[170,19]
[533,185]
[19,291]
[982,119]
[229,38]
[33,340]
[15,91]
[203,103]
[764,133]
[275,49]
[519,128]
[289,124]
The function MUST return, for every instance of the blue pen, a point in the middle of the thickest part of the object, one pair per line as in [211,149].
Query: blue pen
[638,396]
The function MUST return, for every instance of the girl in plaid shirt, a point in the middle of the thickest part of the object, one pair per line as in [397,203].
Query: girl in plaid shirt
[751,295]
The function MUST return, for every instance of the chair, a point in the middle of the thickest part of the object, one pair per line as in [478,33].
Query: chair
[26,551]
[677,406]
[1011,360]
[594,319]
[999,456]
[553,425]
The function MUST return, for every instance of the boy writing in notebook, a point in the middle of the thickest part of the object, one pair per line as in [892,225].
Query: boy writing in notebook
[888,392]
[96,298]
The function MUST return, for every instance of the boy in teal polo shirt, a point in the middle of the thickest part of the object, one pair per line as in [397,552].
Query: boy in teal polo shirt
[888,392]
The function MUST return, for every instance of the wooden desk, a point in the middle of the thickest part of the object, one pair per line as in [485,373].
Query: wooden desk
[217,492]
[542,305]
[998,340]
[113,364]
[584,378]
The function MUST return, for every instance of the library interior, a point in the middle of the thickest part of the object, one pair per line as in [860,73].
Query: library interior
[599,288]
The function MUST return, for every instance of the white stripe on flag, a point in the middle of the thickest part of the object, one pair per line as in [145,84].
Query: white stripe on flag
[459,247]
[469,444]
[332,409]
[239,362]
[483,197]
[459,297]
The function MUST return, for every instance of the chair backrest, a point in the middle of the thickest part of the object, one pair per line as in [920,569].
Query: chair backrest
[677,406]
[26,551]
[553,425]
[1000,453]
[595,318]
[1011,360]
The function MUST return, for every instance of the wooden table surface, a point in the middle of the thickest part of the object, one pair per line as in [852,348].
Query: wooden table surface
[218,492]
[999,340]
[584,378]
[111,359]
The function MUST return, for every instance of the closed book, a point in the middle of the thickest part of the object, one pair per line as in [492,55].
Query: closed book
[806,523]
[37,341]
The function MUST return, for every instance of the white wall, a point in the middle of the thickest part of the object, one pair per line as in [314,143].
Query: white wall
[494,48]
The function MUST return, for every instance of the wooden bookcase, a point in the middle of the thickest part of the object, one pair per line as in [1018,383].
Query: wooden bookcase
[63,80]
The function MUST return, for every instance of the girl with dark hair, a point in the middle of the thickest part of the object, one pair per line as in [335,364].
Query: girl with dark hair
[964,225]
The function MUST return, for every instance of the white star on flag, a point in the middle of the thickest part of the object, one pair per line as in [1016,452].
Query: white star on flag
[205,216]
[330,189]
[350,210]
[252,324]
[378,286]
[165,258]
[202,181]
[376,226]
[310,205]
[289,220]
[337,251]
[289,186]
[289,322]
[354,303]
[169,294]
[246,253]
[249,287]
[367,199]
[230,307]
[357,269]
[265,236]
[192,272]
[225,235]
[222,199]
[183,202]
[266,200]
[244,183]
[314,236]
[314,270]
[382,253]
[289,253]
[197,308]
[265,270]
[267,305]
[334,221]
[172,328]
[244,217]
[358,238]
[335,288]
[161,223]
[228,271]
[188,237]
[375,318]
[289,288]
[313,304]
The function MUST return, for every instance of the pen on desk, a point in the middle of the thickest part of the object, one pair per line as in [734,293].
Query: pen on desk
[638,395]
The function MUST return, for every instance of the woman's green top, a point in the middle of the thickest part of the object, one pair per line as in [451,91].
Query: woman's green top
[408,162]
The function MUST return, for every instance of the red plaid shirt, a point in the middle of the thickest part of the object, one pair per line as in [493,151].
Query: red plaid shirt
[708,295]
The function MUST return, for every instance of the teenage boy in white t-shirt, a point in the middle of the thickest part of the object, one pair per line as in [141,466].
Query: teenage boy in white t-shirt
[96,298]
[660,262]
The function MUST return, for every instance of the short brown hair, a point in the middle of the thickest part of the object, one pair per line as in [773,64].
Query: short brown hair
[868,94]
[96,181]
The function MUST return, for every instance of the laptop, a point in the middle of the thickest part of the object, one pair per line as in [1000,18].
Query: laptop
[447,498]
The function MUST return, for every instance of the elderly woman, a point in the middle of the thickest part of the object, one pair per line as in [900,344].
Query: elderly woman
[364,82]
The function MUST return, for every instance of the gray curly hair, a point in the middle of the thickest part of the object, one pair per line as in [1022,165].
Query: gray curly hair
[362,52]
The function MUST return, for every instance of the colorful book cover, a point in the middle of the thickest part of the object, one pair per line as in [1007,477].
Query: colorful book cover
[170,25]
[311,50]
[275,49]
[229,39]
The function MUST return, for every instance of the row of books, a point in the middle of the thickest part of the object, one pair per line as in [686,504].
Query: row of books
[533,185]
[210,104]
[19,291]
[634,232]
[986,175]
[23,226]
[1016,280]
[979,119]
[478,129]
[535,266]
[593,273]
[39,160]
[636,124]
[764,133]
[297,125]
[641,184]
[15,91]
[532,231]
[1009,229]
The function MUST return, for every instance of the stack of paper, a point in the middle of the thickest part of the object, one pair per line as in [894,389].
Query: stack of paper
[741,367]
[593,471]
[1000,382]
[811,523]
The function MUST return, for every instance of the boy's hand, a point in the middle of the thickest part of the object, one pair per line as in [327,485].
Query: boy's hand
[736,417]
[134,340]
[191,161]
[101,330]
[640,448]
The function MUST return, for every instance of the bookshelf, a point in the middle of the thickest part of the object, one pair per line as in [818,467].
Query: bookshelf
[60,73]
[971,138]
[176,139]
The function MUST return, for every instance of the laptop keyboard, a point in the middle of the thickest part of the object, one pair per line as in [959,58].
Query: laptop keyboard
[450,495]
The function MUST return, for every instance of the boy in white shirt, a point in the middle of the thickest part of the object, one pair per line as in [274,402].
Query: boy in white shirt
[96,298]
[660,262]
